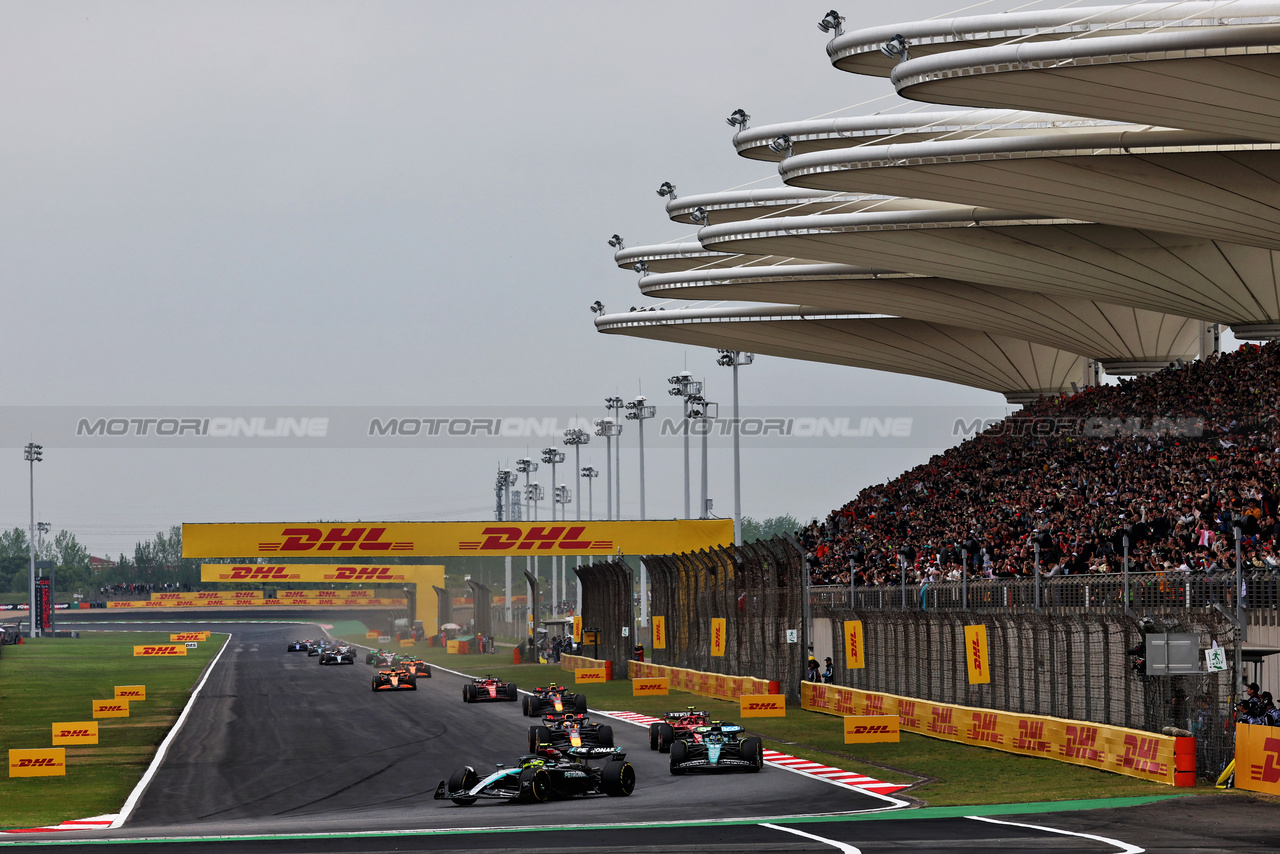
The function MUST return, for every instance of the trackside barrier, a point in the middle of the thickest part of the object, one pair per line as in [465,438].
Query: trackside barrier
[581,662]
[1257,758]
[229,602]
[38,762]
[1148,756]
[715,685]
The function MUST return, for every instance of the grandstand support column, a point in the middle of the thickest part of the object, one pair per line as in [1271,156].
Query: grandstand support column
[1037,547]
[1209,339]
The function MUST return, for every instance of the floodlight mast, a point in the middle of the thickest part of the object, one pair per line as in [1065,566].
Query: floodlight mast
[734,359]
[33,454]
[614,405]
[684,385]
[703,412]
[590,474]
[639,412]
[608,429]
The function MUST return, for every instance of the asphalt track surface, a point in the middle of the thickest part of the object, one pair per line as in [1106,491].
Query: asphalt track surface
[278,749]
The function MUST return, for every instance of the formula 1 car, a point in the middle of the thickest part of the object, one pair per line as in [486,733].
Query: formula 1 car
[549,773]
[676,725]
[552,698]
[298,646]
[718,746]
[316,647]
[338,655]
[417,667]
[379,657]
[487,689]
[395,680]
[568,730]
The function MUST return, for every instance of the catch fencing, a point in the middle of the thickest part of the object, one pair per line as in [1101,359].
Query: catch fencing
[608,608]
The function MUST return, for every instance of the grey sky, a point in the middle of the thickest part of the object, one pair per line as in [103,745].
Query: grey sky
[381,203]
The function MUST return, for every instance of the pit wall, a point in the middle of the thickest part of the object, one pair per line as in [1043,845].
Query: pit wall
[1159,758]
[714,685]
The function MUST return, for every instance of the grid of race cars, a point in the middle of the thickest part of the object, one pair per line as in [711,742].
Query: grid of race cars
[568,753]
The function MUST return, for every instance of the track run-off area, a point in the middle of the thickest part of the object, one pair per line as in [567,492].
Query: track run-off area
[278,753]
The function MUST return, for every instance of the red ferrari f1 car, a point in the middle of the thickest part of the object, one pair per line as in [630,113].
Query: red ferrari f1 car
[488,689]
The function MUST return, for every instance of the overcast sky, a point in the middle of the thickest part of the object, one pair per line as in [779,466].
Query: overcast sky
[364,204]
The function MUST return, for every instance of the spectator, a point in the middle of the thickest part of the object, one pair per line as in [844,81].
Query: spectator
[827,674]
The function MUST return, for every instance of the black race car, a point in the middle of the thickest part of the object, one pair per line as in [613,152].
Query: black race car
[719,746]
[338,655]
[380,657]
[571,729]
[552,698]
[488,689]
[298,646]
[547,774]
[417,667]
[676,725]
[397,679]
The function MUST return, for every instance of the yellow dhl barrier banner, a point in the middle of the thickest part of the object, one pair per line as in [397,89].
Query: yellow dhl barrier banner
[236,595]
[111,708]
[40,762]
[259,603]
[577,629]
[762,706]
[1258,758]
[589,674]
[75,732]
[855,655]
[718,636]
[869,729]
[1125,751]
[658,687]
[573,662]
[453,647]
[371,635]
[976,659]
[159,650]
[324,594]
[659,632]
[696,682]
[404,643]
[183,637]
[131,692]
[447,539]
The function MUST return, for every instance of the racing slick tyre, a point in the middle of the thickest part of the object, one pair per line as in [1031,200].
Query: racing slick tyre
[580,702]
[618,779]
[679,753]
[524,706]
[464,778]
[375,684]
[412,683]
[427,673]
[666,735]
[468,693]
[653,736]
[512,693]
[538,735]
[535,785]
[753,751]
[605,734]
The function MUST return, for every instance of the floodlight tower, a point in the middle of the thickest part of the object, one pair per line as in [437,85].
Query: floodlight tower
[703,412]
[685,386]
[576,438]
[614,405]
[33,454]
[608,429]
[590,474]
[638,412]
[506,480]
[553,457]
[734,359]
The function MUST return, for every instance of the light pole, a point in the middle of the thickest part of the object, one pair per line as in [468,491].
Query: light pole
[590,474]
[607,428]
[506,479]
[561,495]
[553,457]
[33,454]
[734,359]
[703,412]
[638,412]
[684,385]
[526,466]
[614,405]
[577,438]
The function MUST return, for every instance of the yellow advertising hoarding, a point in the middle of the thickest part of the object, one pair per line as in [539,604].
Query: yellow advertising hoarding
[976,659]
[158,650]
[1258,758]
[75,732]
[718,634]
[1135,753]
[855,653]
[659,632]
[183,637]
[371,635]
[762,706]
[660,687]
[131,692]
[39,762]
[869,729]
[405,642]
[111,708]
[577,629]
[371,540]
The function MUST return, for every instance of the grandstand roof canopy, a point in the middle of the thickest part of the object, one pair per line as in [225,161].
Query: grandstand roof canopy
[1177,274]
[1126,340]
[1020,370]
[736,205]
[1187,182]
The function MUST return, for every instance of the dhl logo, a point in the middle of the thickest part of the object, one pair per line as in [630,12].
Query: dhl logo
[852,648]
[875,704]
[941,722]
[863,729]
[755,706]
[72,733]
[1267,771]
[983,728]
[177,596]
[907,714]
[109,708]
[364,573]
[257,573]
[1142,754]
[128,694]
[148,650]
[1031,737]
[334,539]
[1081,744]
[37,763]
[651,684]
[564,537]
[183,637]
[975,652]
[844,703]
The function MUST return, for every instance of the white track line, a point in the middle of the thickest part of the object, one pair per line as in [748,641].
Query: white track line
[138,790]
[844,847]
[1123,847]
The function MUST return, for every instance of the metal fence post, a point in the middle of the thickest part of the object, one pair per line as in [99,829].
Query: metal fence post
[964,579]
[1126,575]
[1037,546]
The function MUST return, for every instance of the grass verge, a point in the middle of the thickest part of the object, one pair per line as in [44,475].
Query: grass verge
[944,773]
[50,680]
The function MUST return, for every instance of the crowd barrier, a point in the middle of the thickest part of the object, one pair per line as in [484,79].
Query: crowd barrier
[1159,758]
[581,662]
[254,603]
[715,685]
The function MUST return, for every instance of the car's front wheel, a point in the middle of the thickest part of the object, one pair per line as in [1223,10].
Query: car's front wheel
[463,780]
[618,779]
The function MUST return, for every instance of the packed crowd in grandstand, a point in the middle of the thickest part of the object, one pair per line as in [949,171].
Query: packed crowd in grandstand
[1177,460]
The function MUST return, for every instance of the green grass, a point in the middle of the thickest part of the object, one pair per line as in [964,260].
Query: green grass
[51,680]
[944,773]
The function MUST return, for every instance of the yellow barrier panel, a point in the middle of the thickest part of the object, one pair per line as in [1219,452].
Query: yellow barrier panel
[718,636]
[1258,758]
[762,706]
[650,687]
[131,692]
[183,637]
[704,684]
[111,708]
[866,729]
[40,762]
[150,650]
[1125,751]
[659,632]
[75,732]
[371,635]
[453,646]
[374,540]
[577,629]
[404,643]
[589,674]
[855,655]
[975,645]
